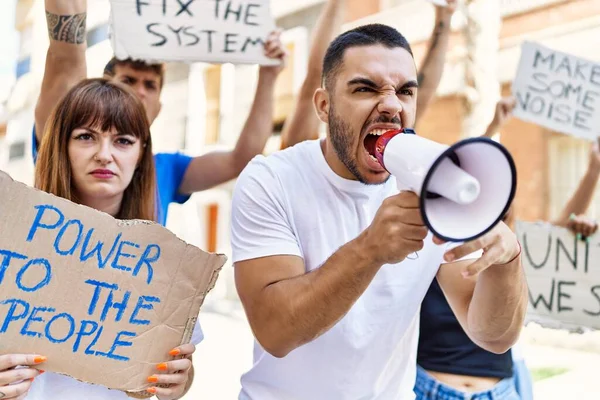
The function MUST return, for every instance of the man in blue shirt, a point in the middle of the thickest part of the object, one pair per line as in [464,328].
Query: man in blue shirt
[178,175]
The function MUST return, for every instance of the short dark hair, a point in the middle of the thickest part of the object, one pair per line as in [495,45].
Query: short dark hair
[366,35]
[138,65]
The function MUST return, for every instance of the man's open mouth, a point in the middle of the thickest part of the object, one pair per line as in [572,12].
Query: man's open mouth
[371,140]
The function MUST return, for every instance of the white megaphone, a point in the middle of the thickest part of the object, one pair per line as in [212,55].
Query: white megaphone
[464,189]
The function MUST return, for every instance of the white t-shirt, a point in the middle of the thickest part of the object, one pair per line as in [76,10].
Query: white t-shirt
[292,203]
[51,386]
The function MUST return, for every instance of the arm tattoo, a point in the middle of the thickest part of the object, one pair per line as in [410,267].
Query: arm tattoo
[67,28]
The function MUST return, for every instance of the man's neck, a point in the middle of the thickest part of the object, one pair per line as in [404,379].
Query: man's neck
[333,160]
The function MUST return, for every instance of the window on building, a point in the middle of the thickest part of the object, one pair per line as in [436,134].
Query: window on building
[568,159]
[213,100]
[97,35]
[23,66]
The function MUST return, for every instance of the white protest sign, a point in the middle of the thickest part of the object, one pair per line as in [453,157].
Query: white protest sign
[215,31]
[558,91]
[563,276]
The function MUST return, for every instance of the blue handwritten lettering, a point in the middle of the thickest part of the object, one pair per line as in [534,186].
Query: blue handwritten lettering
[120,307]
[61,234]
[82,332]
[89,350]
[99,285]
[6,261]
[97,249]
[10,315]
[40,284]
[147,259]
[120,253]
[118,343]
[140,305]
[38,217]
[32,318]
[56,318]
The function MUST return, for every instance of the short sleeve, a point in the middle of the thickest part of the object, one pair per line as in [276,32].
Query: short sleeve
[173,168]
[170,171]
[259,219]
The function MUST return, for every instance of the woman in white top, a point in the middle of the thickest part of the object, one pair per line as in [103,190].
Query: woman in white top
[97,151]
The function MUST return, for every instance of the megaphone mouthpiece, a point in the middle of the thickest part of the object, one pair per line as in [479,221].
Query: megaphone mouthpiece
[383,140]
[453,183]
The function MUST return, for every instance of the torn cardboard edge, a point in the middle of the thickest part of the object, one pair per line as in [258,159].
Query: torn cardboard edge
[205,280]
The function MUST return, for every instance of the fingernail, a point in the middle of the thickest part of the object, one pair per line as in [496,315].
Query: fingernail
[579,236]
[162,366]
[40,359]
[449,257]
[153,379]
[41,371]
[175,352]
[152,390]
[587,239]
[465,274]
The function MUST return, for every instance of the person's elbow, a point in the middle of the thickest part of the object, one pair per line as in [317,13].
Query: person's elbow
[271,328]
[500,346]
[273,338]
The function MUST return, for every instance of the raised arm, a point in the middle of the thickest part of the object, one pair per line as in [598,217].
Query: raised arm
[215,168]
[65,61]
[581,199]
[503,113]
[430,71]
[303,124]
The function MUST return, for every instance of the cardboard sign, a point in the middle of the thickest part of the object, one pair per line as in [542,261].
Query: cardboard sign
[558,91]
[215,31]
[563,275]
[105,300]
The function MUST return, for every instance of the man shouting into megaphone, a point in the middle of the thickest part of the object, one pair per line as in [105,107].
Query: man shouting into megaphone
[332,262]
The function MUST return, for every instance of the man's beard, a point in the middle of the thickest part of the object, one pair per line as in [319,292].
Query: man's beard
[341,134]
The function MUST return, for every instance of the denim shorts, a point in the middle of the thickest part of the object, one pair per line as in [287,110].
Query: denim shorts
[428,388]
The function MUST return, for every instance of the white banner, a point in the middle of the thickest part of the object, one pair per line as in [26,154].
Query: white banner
[563,275]
[558,91]
[215,31]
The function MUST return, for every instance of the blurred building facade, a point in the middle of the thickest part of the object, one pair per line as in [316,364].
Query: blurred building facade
[486,38]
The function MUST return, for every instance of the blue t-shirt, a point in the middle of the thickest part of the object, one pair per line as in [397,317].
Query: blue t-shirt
[170,169]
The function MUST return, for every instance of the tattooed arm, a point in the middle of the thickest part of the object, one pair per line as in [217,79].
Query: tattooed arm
[65,61]
[430,72]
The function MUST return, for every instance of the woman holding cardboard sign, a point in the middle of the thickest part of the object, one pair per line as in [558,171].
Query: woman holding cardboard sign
[97,152]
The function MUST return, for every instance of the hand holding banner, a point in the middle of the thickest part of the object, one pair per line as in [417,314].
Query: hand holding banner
[104,300]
